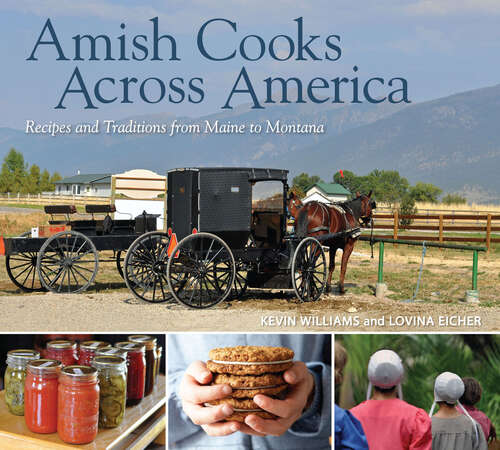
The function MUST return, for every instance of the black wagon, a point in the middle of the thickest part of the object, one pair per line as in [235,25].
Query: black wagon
[67,261]
[224,234]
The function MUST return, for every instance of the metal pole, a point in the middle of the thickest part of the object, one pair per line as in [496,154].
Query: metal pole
[474,270]
[381,263]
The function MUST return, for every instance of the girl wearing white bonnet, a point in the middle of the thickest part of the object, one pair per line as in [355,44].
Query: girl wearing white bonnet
[452,430]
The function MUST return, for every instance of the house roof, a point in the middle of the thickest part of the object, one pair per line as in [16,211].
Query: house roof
[86,179]
[330,188]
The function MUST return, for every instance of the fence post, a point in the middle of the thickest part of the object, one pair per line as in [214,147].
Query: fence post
[381,262]
[441,227]
[396,224]
[488,232]
[474,270]
[18,197]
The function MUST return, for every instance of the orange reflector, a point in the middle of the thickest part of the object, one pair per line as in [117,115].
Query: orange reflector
[172,245]
[2,246]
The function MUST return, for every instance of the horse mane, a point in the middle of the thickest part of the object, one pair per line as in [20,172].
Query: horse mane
[302,223]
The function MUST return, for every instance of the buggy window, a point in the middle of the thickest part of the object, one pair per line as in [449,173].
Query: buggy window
[267,196]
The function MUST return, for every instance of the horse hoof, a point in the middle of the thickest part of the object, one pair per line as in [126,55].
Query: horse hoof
[328,289]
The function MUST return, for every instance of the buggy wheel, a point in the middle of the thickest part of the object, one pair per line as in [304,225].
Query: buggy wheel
[119,263]
[145,267]
[309,270]
[21,269]
[201,271]
[67,262]
[240,281]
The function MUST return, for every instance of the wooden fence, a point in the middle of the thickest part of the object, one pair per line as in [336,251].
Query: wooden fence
[440,227]
[41,199]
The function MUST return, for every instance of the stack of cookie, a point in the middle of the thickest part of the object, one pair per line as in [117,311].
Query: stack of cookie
[249,370]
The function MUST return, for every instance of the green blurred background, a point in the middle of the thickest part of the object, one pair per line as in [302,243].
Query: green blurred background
[425,357]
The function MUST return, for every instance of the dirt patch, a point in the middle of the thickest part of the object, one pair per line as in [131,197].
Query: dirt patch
[270,311]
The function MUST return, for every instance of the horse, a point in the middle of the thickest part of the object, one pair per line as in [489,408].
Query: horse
[316,219]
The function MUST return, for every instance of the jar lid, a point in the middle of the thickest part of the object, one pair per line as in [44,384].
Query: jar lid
[94,345]
[22,356]
[44,366]
[131,346]
[109,362]
[61,344]
[111,351]
[149,341]
[79,372]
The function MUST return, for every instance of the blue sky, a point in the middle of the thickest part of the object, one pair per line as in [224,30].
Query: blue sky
[440,46]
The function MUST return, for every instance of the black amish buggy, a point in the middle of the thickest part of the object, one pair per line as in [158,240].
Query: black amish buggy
[67,261]
[221,240]
[224,234]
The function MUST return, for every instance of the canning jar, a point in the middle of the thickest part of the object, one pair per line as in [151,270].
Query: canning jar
[136,373]
[150,343]
[159,351]
[88,350]
[40,395]
[15,376]
[112,351]
[112,374]
[78,405]
[62,350]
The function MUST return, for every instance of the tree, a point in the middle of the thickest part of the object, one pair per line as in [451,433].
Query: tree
[304,180]
[350,181]
[453,199]
[45,184]
[425,192]
[407,207]
[32,184]
[13,173]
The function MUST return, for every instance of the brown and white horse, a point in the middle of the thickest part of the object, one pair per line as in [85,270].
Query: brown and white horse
[316,219]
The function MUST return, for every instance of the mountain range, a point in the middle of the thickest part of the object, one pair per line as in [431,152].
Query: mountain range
[452,142]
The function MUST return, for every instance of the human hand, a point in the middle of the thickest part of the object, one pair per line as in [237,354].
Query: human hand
[195,391]
[288,410]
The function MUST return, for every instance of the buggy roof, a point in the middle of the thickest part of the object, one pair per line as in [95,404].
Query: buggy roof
[254,174]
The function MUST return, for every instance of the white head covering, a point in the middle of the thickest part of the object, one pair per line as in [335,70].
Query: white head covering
[385,370]
[448,388]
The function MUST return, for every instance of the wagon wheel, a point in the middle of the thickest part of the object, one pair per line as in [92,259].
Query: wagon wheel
[201,271]
[309,270]
[145,267]
[119,263]
[240,280]
[67,262]
[21,269]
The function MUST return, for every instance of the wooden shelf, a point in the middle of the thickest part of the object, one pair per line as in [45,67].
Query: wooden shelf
[141,424]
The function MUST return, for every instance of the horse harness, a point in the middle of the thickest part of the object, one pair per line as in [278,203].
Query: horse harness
[325,212]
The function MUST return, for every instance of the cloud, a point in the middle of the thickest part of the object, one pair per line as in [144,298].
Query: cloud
[447,7]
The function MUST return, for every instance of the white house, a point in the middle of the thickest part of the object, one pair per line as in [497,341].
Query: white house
[326,193]
[94,185]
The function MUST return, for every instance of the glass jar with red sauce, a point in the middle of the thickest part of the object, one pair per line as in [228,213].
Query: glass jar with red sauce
[78,405]
[62,350]
[136,375]
[88,350]
[151,357]
[40,395]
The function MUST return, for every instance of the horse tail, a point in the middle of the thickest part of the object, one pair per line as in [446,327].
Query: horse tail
[302,223]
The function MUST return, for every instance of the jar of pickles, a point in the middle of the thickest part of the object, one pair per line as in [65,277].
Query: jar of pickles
[112,374]
[62,350]
[88,350]
[136,371]
[40,395]
[15,376]
[78,405]
[151,357]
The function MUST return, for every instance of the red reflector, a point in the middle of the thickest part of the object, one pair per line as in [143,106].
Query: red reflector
[2,246]
[194,231]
